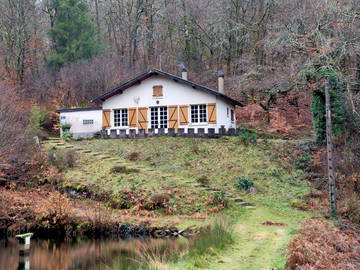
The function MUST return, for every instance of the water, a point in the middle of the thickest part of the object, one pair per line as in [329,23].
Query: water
[87,254]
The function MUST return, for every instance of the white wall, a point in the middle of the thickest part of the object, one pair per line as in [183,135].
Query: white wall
[173,94]
[76,120]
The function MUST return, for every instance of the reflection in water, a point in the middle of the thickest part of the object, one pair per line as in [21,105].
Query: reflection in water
[88,254]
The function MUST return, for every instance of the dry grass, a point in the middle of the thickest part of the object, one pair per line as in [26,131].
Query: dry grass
[322,247]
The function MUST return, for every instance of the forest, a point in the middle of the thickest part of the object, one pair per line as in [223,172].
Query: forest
[278,57]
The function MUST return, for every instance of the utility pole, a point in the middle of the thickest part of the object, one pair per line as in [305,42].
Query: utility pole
[329,150]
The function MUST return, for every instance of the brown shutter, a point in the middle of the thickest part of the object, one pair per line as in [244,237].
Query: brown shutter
[132,117]
[173,117]
[184,115]
[142,118]
[212,113]
[157,91]
[106,118]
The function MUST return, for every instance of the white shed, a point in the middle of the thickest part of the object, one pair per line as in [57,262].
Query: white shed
[85,122]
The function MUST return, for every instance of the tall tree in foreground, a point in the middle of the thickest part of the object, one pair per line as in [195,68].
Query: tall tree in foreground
[73,34]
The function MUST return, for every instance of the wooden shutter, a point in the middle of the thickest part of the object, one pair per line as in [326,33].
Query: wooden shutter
[157,91]
[184,115]
[173,117]
[132,117]
[212,113]
[142,118]
[106,118]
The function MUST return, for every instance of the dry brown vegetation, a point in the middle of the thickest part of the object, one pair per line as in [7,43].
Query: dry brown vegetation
[321,246]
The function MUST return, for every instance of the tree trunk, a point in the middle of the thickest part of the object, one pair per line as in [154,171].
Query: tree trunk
[329,149]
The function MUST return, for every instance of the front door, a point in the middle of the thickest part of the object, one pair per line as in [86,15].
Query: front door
[159,117]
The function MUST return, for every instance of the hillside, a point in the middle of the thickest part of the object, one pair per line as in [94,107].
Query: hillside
[179,182]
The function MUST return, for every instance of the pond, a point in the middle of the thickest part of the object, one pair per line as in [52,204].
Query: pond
[87,254]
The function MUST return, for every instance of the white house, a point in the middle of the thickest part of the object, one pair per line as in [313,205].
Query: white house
[154,101]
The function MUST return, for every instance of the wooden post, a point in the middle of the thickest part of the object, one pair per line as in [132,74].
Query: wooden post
[24,251]
[329,149]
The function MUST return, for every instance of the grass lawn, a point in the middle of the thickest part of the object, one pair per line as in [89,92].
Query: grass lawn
[190,171]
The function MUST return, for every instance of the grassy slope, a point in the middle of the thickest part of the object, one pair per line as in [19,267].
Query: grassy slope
[175,163]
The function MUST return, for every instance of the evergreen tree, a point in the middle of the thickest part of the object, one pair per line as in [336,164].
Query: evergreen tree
[73,33]
[337,107]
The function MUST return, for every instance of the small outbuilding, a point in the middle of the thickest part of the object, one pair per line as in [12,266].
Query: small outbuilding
[155,101]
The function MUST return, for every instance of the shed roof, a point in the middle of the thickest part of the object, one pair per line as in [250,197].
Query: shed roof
[80,109]
[152,72]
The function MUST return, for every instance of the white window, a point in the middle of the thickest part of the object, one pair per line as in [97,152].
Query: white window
[121,118]
[232,116]
[198,113]
[88,122]
[159,117]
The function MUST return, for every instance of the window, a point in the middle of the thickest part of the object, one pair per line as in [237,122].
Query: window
[63,118]
[157,91]
[121,118]
[232,116]
[88,122]
[159,117]
[198,113]
[227,112]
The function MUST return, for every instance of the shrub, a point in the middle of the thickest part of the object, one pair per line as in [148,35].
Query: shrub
[243,183]
[63,159]
[218,198]
[303,162]
[54,211]
[66,134]
[157,201]
[124,169]
[247,137]
[353,207]
[37,118]
[299,204]
[134,156]
[203,180]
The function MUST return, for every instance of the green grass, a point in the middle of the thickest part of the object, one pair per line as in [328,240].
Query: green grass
[167,164]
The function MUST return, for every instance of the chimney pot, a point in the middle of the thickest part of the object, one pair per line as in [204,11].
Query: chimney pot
[184,73]
[221,76]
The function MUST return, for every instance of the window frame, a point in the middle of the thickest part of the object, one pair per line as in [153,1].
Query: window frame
[159,117]
[88,122]
[200,118]
[232,113]
[120,117]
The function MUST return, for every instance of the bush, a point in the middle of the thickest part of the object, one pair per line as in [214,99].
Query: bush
[218,198]
[63,159]
[203,180]
[66,133]
[247,137]
[157,201]
[123,169]
[54,211]
[303,162]
[134,156]
[37,119]
[353,208]
[243,183]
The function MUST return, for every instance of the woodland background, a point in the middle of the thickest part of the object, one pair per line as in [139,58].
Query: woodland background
[275,54]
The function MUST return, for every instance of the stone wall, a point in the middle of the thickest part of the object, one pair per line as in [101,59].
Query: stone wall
[181,132]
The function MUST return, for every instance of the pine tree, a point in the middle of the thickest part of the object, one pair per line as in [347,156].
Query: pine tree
[73,34]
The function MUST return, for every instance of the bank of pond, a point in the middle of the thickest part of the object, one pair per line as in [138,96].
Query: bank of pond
[143,252]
